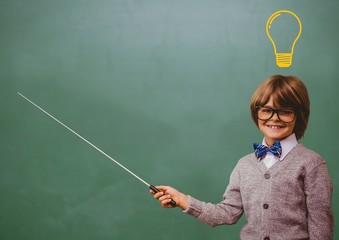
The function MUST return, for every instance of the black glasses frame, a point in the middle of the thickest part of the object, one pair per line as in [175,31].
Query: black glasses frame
[274,110]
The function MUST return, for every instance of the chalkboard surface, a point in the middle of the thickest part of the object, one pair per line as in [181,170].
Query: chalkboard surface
[161,86]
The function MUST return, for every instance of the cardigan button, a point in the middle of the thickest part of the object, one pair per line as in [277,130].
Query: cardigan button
[266,238]
[265,206]
[267,175]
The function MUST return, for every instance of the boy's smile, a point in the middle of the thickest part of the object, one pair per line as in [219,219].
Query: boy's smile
[274,129]
[274,126]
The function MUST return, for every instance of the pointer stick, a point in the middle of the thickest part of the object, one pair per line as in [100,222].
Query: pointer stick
[154,189]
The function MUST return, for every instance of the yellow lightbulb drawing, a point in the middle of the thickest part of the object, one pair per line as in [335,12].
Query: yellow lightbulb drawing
[283,57]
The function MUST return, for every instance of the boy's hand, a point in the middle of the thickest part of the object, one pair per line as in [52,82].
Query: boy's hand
[167,193]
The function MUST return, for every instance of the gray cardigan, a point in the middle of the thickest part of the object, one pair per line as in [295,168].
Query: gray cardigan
[290,200]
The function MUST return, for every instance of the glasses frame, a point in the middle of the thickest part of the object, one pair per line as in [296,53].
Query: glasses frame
[274,110]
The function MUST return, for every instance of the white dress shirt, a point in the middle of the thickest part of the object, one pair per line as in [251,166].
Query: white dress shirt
[286,145]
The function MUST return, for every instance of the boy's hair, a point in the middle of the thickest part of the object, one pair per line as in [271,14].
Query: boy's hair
[286,92]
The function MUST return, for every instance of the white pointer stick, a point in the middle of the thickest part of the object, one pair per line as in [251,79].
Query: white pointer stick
[173,203]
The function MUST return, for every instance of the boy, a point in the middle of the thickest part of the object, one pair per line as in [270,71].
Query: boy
[283,188]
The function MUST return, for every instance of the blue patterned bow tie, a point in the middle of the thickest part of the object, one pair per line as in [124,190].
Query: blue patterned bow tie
[261,150]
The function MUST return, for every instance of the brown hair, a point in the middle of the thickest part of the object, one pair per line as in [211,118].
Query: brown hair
[286,92]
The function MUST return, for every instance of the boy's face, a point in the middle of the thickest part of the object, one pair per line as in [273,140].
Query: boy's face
[274,129]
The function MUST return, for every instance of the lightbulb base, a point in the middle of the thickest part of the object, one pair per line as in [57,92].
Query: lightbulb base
[284,60]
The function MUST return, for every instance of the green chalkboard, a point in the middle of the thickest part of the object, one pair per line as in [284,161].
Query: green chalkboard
[161,86]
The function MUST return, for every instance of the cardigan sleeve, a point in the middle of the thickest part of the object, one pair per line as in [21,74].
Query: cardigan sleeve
[318,190]
[227,211]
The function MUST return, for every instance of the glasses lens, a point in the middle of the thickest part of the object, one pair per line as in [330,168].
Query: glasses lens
[286,115]
[265,113]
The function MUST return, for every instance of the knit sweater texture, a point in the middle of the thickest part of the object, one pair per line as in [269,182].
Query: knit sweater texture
[290,200]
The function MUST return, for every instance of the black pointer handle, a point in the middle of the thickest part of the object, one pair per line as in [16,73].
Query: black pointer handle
[154,189]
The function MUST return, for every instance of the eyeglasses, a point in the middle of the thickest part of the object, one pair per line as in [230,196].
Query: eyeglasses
[284,115]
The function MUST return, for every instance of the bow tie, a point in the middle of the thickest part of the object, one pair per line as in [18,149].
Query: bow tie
[261,150]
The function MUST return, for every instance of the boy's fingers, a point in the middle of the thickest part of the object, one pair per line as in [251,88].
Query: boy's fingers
[167,203]
[164,197]
[158,195]
[161,188]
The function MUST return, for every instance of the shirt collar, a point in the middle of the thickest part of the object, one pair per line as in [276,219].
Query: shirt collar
[287,145]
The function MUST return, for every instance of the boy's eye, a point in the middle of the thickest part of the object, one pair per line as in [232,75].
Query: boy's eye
[286,112]
[266,110]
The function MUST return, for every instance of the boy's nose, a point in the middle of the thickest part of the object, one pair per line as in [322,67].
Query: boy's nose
[275,116]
